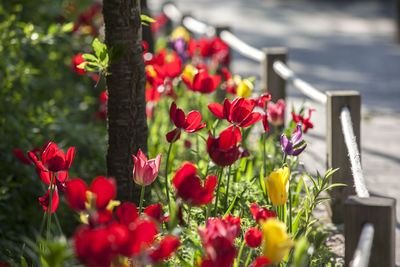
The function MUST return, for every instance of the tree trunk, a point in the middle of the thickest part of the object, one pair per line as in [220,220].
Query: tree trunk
[126,107]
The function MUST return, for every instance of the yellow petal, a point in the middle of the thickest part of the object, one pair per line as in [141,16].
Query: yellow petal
[276,242]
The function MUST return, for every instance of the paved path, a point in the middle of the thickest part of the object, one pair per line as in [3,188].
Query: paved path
[334,45]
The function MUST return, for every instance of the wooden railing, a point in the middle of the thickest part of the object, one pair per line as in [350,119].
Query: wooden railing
[362,214]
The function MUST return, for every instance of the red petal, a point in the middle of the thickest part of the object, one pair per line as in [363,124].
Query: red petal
[252,118]
[154,211]
[142,235]
[188,83]
[227,109]
[186,170]
[45,200]
[48,152]
[172,111]
[179,118]
[217,110]
[260,262]
[166,247]
[173,135]
[127,213]
[193,121]
[265,122]
[227,139]
[70,157]
[75,194]
[21,156]
[253,237]
[174,68]
[105,190]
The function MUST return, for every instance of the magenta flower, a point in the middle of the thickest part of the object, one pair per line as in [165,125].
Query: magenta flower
[145,171]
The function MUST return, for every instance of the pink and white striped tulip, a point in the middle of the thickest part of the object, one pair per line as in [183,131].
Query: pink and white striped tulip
[145,171]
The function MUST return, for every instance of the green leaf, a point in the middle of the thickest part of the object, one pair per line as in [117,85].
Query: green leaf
[68,27]
[99,48]
[147,18]
[90,57]
[300,253]
[116,52]
[82,65]
[231,206]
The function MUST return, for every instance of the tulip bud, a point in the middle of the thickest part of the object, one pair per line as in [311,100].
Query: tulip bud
[244,88]
[276,184]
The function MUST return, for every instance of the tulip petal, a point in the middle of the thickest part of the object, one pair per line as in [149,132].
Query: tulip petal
[193,121]
[252,118]
[165,248]
[45,200]
[217,110]
[70,157]
[105,190]
[173,135]
[75,193]
[127,213]
[21,156]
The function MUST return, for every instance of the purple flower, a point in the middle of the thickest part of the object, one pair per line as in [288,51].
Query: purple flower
[295,145]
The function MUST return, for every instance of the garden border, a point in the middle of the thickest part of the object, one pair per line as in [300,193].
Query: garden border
[362,215]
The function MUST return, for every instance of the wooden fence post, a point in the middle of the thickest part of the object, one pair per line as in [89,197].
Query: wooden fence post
[397,21]
[271,81]
[379,211]
[337,154]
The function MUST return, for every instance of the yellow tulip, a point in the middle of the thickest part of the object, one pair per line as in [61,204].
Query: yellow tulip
[276,184]
[189,72]
[244,88]
[180,32]
[276,241]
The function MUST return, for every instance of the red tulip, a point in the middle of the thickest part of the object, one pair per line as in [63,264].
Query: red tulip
[164,249]
[155,212]
[218,239]
[253,237]
[261,214]
[202,82]
[260,262]
[190,124]
[260,101]
[239,112]
[145,171]
[305,121]
[188,186]
[223,150]
[53,159]
[76,61]
[103,188]
[276,112]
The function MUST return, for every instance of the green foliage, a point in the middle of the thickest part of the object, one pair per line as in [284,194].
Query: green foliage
[41,99]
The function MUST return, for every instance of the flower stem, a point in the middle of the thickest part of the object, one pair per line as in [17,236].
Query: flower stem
[220,169]
[49,207]
[141,199]
[264,136]
[227,188]
[249,257]
[166,170]
[237,261]
[290,209]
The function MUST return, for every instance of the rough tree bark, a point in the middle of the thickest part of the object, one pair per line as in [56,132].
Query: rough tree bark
[126,107]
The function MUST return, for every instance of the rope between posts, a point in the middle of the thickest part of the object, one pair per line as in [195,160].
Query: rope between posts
[354,154]
[363,251]
[241,46]
[287,74]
